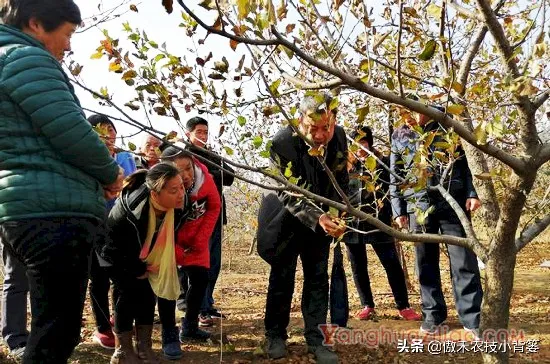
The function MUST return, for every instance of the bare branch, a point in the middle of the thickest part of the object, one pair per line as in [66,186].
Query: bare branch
[531,232]
[541,99]
[465,12]
[466,223]
[468,58]
[223,33]
[398,50]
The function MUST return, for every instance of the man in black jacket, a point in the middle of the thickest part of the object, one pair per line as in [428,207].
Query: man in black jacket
[197,132]
[302,229]
[410,203]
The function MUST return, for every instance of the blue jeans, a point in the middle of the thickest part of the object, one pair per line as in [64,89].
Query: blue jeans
[215,245]
[14,300]
[56,253]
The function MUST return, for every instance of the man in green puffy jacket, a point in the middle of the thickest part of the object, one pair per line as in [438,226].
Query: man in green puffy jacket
[55,172]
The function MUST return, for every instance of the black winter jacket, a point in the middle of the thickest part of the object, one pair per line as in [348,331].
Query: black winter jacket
[127,229]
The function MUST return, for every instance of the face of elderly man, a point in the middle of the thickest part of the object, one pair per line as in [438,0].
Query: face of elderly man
[318,126]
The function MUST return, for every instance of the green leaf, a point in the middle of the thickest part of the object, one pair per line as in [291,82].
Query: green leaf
[370,163]
[434,10]
[362,113]
[127,27]
[159,57]
[132,146]
[241,120]
[333,104]
[480,134]
[257,141]
[228,150]
[274,87]
[288,170]
[428,51]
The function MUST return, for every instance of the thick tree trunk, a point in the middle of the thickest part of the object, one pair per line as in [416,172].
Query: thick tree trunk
[499,271]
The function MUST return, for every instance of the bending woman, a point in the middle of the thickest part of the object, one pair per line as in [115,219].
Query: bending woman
[192,250]
[141,227]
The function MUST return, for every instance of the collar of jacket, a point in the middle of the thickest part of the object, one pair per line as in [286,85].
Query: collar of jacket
[25,39]
[136,202]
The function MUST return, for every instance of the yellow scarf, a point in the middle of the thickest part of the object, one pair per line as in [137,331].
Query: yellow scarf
[161,261]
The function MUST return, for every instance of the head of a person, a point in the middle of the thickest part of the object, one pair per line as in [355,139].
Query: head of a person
[165,185]
[363,136]
[150,149]
[197,131]
[51,22]
[317,120]
[183,161]
[106,129]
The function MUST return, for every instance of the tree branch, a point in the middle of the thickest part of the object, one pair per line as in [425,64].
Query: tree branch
[223,33]
[541,99]
[356,83]
[531,232]
[398,50]
[465,12]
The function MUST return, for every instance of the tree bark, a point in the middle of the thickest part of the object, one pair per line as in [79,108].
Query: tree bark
[499,271]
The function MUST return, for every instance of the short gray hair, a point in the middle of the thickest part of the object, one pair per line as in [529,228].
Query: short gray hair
[317,104]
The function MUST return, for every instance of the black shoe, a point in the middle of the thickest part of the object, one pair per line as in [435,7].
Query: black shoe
[197,334]
[323,355]
[214,313]
[276,347]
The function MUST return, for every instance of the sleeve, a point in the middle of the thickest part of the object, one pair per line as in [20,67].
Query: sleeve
[119,249]
[38,85]
[210,217]
[302,209]
[398,203]
[127,162]
[468,182]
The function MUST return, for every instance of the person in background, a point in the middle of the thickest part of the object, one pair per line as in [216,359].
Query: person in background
[192,251]
[197,132]
[302,229]
[369,190]
[55,172]
[150,150]
[405,143]
[99,276]
[142,223]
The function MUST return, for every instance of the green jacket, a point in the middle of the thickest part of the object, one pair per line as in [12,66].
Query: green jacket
[52,164]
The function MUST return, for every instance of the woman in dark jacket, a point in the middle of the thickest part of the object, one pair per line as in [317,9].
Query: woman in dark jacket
[368,188]
[192,250]
[142,225]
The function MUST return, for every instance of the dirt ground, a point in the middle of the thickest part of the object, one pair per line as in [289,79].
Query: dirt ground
[241,295]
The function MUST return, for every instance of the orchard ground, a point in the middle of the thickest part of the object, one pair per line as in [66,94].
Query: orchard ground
[241,295]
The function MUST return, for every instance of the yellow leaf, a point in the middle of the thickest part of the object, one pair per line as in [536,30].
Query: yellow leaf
[455,109]
[458,87]
[96,55]
[370,163]
[114,67]
[481,134]
[434,10]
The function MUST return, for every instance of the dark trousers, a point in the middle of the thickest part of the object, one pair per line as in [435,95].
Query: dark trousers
[313,249]
[464,272]
[14,300]
[387,253]
[56,253]
[99,295]
[215,245]
[135,302]
[197,282]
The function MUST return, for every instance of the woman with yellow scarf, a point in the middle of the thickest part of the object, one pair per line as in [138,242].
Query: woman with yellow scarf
[140,248]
